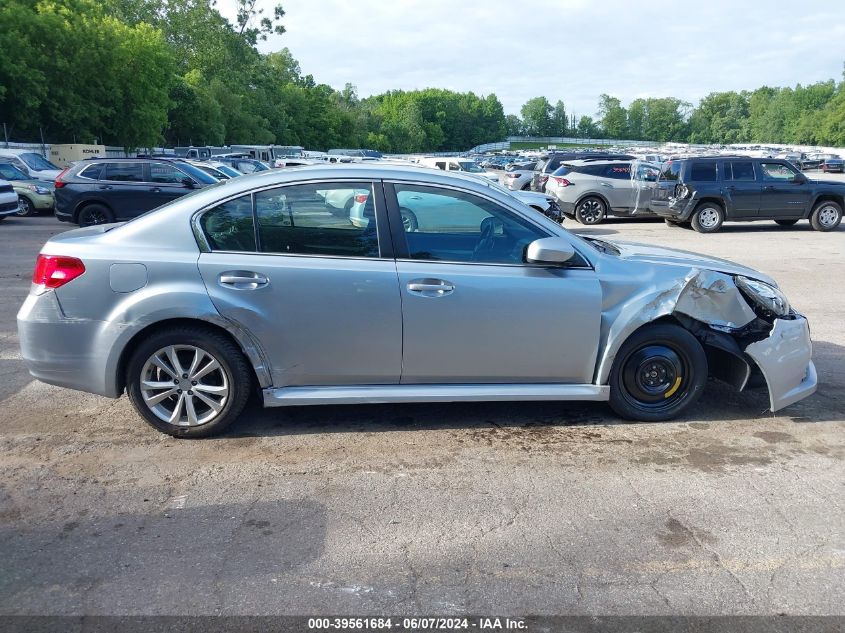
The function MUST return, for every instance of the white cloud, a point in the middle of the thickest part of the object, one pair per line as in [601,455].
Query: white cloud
[570,50]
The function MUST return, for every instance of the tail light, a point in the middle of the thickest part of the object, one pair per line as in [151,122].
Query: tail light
[59,182]
[563,182]
[361,198]
[54,271]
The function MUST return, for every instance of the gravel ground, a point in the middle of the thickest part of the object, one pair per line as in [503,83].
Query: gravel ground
[435,509]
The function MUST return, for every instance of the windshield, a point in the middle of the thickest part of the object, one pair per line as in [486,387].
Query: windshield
[467,165]
[259,166]
[232,173]
[37,162]
[10,172]
[197,174]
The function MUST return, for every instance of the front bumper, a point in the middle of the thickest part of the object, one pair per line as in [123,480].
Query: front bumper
[9,207]
[784,358]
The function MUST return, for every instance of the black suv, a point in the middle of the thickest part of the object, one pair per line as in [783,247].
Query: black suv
[553,161]
[707,191]
[102,190]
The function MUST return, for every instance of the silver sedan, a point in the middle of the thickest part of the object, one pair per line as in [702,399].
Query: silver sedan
[442,289]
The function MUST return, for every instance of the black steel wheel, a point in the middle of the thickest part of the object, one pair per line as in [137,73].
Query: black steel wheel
[659,372]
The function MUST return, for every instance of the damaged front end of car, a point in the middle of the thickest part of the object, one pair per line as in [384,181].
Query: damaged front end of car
[750,334]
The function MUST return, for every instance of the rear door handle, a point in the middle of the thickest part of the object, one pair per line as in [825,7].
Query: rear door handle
[105,187]
[155,189]
[606,184]
[431,287]
[242,280]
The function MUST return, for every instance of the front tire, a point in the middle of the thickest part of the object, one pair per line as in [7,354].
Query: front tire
[590,211]
[188,381]
[708,217]
[826,216]
[659,372]
[25,207]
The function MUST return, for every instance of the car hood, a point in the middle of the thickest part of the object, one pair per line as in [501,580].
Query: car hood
[675,257]
[48,175]
[531,196]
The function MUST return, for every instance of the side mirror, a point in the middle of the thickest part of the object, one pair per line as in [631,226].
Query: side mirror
[188,182]
[799,179]
[549,250]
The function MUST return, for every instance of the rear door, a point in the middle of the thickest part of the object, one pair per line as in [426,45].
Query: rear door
[123,186]
[473,310]
[742,188]
[616,186]
[785,194]
[319,293]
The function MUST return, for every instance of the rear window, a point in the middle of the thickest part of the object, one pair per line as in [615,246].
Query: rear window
[671,170]
[563,170]
[92,171]
[551,165]
[703,172]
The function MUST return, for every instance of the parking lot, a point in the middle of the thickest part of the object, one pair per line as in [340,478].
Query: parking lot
[512,508]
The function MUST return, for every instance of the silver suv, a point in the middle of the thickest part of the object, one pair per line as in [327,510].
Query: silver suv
[591,190]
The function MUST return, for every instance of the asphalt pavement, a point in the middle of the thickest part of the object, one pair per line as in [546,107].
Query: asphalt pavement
[514,508]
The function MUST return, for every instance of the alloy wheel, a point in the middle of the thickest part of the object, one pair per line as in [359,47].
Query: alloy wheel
[591,211]
[184,385]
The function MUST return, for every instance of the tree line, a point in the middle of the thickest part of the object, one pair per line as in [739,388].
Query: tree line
[140,73]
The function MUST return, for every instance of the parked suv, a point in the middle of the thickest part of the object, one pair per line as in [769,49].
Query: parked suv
[518,176]
[103,190]
[592,190]
[707,191]
[33,195]
[553,161]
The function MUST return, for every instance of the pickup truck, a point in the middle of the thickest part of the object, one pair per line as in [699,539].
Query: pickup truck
[708,191]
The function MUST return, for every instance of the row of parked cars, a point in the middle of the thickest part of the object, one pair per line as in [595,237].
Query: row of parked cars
[702,192]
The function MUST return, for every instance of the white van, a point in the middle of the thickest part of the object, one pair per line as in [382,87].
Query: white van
[457,164]
[31,163]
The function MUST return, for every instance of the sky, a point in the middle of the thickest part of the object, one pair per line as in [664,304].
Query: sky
[573,50]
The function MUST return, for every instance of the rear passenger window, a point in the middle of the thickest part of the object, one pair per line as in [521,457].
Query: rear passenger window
[703,172]
[739,170]
[619,172]
[124,172]
[229,226]
[334,219]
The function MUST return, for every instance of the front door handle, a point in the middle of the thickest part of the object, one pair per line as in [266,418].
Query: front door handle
[242,280]
[104,187]
[431,287]
[155,189]
[606,184]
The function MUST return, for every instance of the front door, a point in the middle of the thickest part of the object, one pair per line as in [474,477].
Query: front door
[786,193]
[473,310]
[318,293]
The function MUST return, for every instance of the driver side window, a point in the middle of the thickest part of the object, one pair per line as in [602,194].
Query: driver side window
[449,225]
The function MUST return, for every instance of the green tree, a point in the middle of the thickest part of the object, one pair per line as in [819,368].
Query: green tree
[613,119]
[537,117]
[560,122]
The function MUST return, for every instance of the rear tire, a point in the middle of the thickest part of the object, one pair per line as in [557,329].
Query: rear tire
[708,217]
[826,216]
[93,214]
[208,400]
[591,211]
[786,222]
[659,372]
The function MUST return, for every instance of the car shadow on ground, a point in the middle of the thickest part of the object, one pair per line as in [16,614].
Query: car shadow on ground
[719,403]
